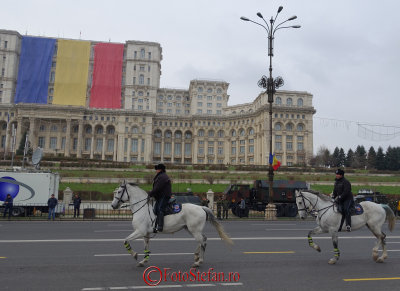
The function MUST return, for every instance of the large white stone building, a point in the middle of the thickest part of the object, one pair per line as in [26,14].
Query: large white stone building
[193,126]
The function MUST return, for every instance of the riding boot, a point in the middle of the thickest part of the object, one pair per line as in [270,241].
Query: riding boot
[160,221]
[341,223]
[348,222]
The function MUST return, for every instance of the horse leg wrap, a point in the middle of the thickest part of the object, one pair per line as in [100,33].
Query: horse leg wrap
[336,253]
[128,247]
[146,254]
[310,242]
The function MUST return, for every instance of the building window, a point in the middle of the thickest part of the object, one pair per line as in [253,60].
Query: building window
[299,102]
[251,149]
[99,145]
[278,146]
[289,102]
[63,143]
[289,127]
[188,149]
[41,141]
[300,127]
[289,146]
[88,144]
[143,146]
[233,133]
[134,145]
[53,143]
[142,53]
[278,101]
[278,126]
[178,149]
[233,150]
[110,145]
[220,150]
[141,79]
[157,148]
[209,104]
[201,150]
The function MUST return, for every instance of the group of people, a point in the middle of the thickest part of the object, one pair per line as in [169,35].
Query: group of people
[51,203]
[222,207]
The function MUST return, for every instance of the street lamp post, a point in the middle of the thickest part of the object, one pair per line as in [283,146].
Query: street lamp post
[271,85]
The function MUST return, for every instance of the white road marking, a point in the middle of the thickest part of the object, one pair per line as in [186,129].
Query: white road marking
[266,224]
[280,229]
[151,254]
[115,230]
[393,250]
[162,286]
[186,239]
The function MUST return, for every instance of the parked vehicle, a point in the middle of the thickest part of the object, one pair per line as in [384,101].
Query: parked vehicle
[30,190]
[369,195]
[257,197]
[186,197]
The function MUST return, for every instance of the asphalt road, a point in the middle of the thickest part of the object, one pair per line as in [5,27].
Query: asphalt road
[69,255]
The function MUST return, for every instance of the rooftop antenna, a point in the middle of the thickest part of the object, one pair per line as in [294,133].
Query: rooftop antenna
[37,157]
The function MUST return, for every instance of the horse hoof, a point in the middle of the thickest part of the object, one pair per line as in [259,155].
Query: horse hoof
[318,249]
[332,261]
[375,257]
[380,260]
[195,265]
[135,256]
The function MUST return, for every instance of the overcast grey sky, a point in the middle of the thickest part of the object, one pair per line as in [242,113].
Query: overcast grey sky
[346,54]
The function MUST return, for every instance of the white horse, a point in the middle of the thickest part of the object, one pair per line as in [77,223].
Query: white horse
[191,217]
[328,220]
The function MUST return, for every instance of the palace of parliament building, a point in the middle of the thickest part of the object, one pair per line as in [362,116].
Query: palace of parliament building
[102,100]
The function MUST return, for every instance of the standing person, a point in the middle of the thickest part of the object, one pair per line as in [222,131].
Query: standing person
[242,207]
[8,206]
[52,203]
[162,193]
[225,208]
[219,208]
[77,204]
[343,196]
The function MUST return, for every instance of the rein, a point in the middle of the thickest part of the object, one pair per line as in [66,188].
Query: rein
[133,204]
[309,210]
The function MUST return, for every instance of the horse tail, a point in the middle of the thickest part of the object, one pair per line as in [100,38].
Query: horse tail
[390,216]
[221,232]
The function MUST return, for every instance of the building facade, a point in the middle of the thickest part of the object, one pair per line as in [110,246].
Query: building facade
[151,124]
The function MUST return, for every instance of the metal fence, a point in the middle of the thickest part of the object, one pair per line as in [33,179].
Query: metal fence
[102,211]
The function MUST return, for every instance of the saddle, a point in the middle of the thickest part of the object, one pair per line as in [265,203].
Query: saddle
[357,209]
[172,207]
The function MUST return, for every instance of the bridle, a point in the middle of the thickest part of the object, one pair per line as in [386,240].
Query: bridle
[129,199]
[311,208]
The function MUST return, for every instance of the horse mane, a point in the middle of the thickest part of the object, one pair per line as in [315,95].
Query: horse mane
[320,195]
[133,184]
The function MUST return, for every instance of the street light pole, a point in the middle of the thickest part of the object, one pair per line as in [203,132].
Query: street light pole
[271,85]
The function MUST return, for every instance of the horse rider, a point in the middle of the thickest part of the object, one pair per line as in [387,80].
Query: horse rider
[343,196]
[162,193]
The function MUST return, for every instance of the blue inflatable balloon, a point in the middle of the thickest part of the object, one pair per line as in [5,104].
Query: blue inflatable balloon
[8,188]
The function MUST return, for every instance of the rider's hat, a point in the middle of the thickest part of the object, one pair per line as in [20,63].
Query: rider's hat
[339,172]
[160,167]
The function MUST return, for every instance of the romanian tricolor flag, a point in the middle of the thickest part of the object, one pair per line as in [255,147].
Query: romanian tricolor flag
[274,162]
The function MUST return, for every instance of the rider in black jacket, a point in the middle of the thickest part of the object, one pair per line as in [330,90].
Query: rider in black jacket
[343,196]
[162,192]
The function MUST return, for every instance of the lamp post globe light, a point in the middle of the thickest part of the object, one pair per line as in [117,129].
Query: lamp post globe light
[271,84]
